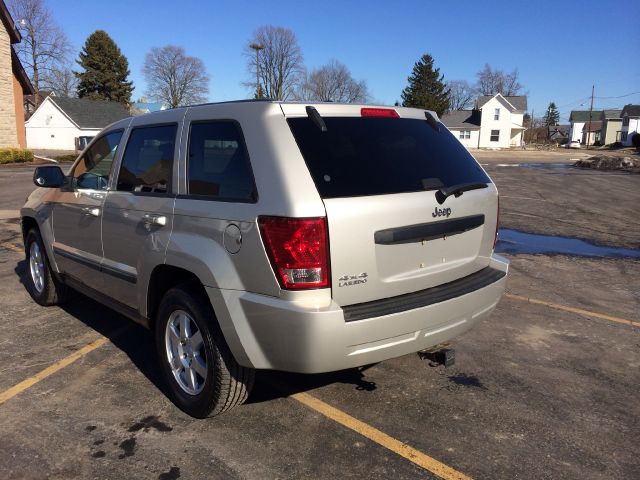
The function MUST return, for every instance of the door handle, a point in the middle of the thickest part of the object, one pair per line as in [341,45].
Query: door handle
[91,211]
[151,219]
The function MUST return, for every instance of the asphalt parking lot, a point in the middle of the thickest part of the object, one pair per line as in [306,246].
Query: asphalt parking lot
[547,387]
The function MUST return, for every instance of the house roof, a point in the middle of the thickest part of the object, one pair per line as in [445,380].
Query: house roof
[42,94]
[468,119]
[631,111]
[9,24]
[583,115]
[519,102]
[594,126]
[90,113]
[610,114]
[148,107]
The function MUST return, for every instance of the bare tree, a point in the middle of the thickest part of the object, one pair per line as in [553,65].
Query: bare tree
[492,81]
[44,46]
[279,63]
[333,83]
[62,81]
[461,96]
[175,78]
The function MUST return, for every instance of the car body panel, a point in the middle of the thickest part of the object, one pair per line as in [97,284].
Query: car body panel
[220,243]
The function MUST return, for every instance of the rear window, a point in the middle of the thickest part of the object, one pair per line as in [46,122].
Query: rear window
[375,156]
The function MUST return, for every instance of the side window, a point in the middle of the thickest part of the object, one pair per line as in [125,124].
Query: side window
[93,169]
[148,160]
[218,165]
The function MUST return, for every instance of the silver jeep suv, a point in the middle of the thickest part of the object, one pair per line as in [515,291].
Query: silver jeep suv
[267,235]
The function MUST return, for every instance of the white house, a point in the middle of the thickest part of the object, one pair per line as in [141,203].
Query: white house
[578,119]
[630,124]
[495,122]
[60,123]
[465,125]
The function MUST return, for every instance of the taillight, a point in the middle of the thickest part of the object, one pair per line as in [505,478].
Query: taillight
[298,249]
[379,112]
[495,239]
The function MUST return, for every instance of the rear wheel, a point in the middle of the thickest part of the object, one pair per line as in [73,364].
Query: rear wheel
[41,284]
[203,377]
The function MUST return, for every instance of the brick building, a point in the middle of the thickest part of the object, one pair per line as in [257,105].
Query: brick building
[14,83]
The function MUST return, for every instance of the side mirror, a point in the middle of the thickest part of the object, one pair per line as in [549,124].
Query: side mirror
[49,176]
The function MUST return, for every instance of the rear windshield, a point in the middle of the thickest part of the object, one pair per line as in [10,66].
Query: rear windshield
[375,156]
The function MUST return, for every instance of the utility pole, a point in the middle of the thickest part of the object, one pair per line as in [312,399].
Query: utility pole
[593,87]
[257,47]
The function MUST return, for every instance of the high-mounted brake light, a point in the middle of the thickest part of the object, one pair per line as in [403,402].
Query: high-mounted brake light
[379,112]
[298,249]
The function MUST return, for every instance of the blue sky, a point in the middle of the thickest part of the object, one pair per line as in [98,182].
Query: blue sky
[559,47]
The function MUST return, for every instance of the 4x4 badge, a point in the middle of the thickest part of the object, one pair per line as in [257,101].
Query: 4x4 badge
[349,280]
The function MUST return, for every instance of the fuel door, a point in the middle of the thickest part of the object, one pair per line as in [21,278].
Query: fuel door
[232,238]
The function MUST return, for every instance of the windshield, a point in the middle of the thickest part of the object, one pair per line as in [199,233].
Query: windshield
[375,156]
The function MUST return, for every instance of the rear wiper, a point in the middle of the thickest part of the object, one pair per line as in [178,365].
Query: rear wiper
[315,117]
[431,120]
[457,190]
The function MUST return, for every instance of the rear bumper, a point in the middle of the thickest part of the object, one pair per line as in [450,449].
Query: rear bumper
[271,333]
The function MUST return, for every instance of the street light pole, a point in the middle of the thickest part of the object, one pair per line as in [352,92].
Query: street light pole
[257,47]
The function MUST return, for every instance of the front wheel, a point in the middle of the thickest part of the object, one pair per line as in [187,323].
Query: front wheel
[41,284]
[203,377]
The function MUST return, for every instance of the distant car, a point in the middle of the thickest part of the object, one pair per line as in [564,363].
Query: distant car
[268,235]
[573,144]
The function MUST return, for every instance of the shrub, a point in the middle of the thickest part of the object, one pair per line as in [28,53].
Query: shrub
[66,158]
[635,140]
[15,155]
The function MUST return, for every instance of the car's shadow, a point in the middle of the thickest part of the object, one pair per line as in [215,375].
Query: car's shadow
[137,343]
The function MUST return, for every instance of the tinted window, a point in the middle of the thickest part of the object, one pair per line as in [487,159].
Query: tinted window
[93,169]
[148,159]
[374,156]
[218,163]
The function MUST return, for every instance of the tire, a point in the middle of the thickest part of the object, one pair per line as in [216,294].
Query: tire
[41,283]
[202,377]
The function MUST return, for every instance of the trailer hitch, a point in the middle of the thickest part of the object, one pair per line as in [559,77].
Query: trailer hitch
[440,354]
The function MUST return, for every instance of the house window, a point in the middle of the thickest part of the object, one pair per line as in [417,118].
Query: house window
[623,136]
[625,121]
[496,114]
[495,135]
[465,134]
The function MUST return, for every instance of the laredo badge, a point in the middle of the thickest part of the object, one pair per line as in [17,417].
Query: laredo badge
[349,280]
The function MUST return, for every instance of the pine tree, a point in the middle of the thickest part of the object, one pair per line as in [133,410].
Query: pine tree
[105,70]
[552,116]
[426,88]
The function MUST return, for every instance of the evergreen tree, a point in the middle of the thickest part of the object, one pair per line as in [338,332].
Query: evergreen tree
[105,70]
[426,88]
[552,116]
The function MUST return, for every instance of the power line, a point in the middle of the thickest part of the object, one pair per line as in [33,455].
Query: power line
[620,96]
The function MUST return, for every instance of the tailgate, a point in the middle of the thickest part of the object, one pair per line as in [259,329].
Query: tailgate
[408,208]
[383,246]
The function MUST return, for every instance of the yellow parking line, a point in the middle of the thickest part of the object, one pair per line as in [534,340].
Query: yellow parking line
[381,438]
[579,311]
[59,365]
[12,247]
